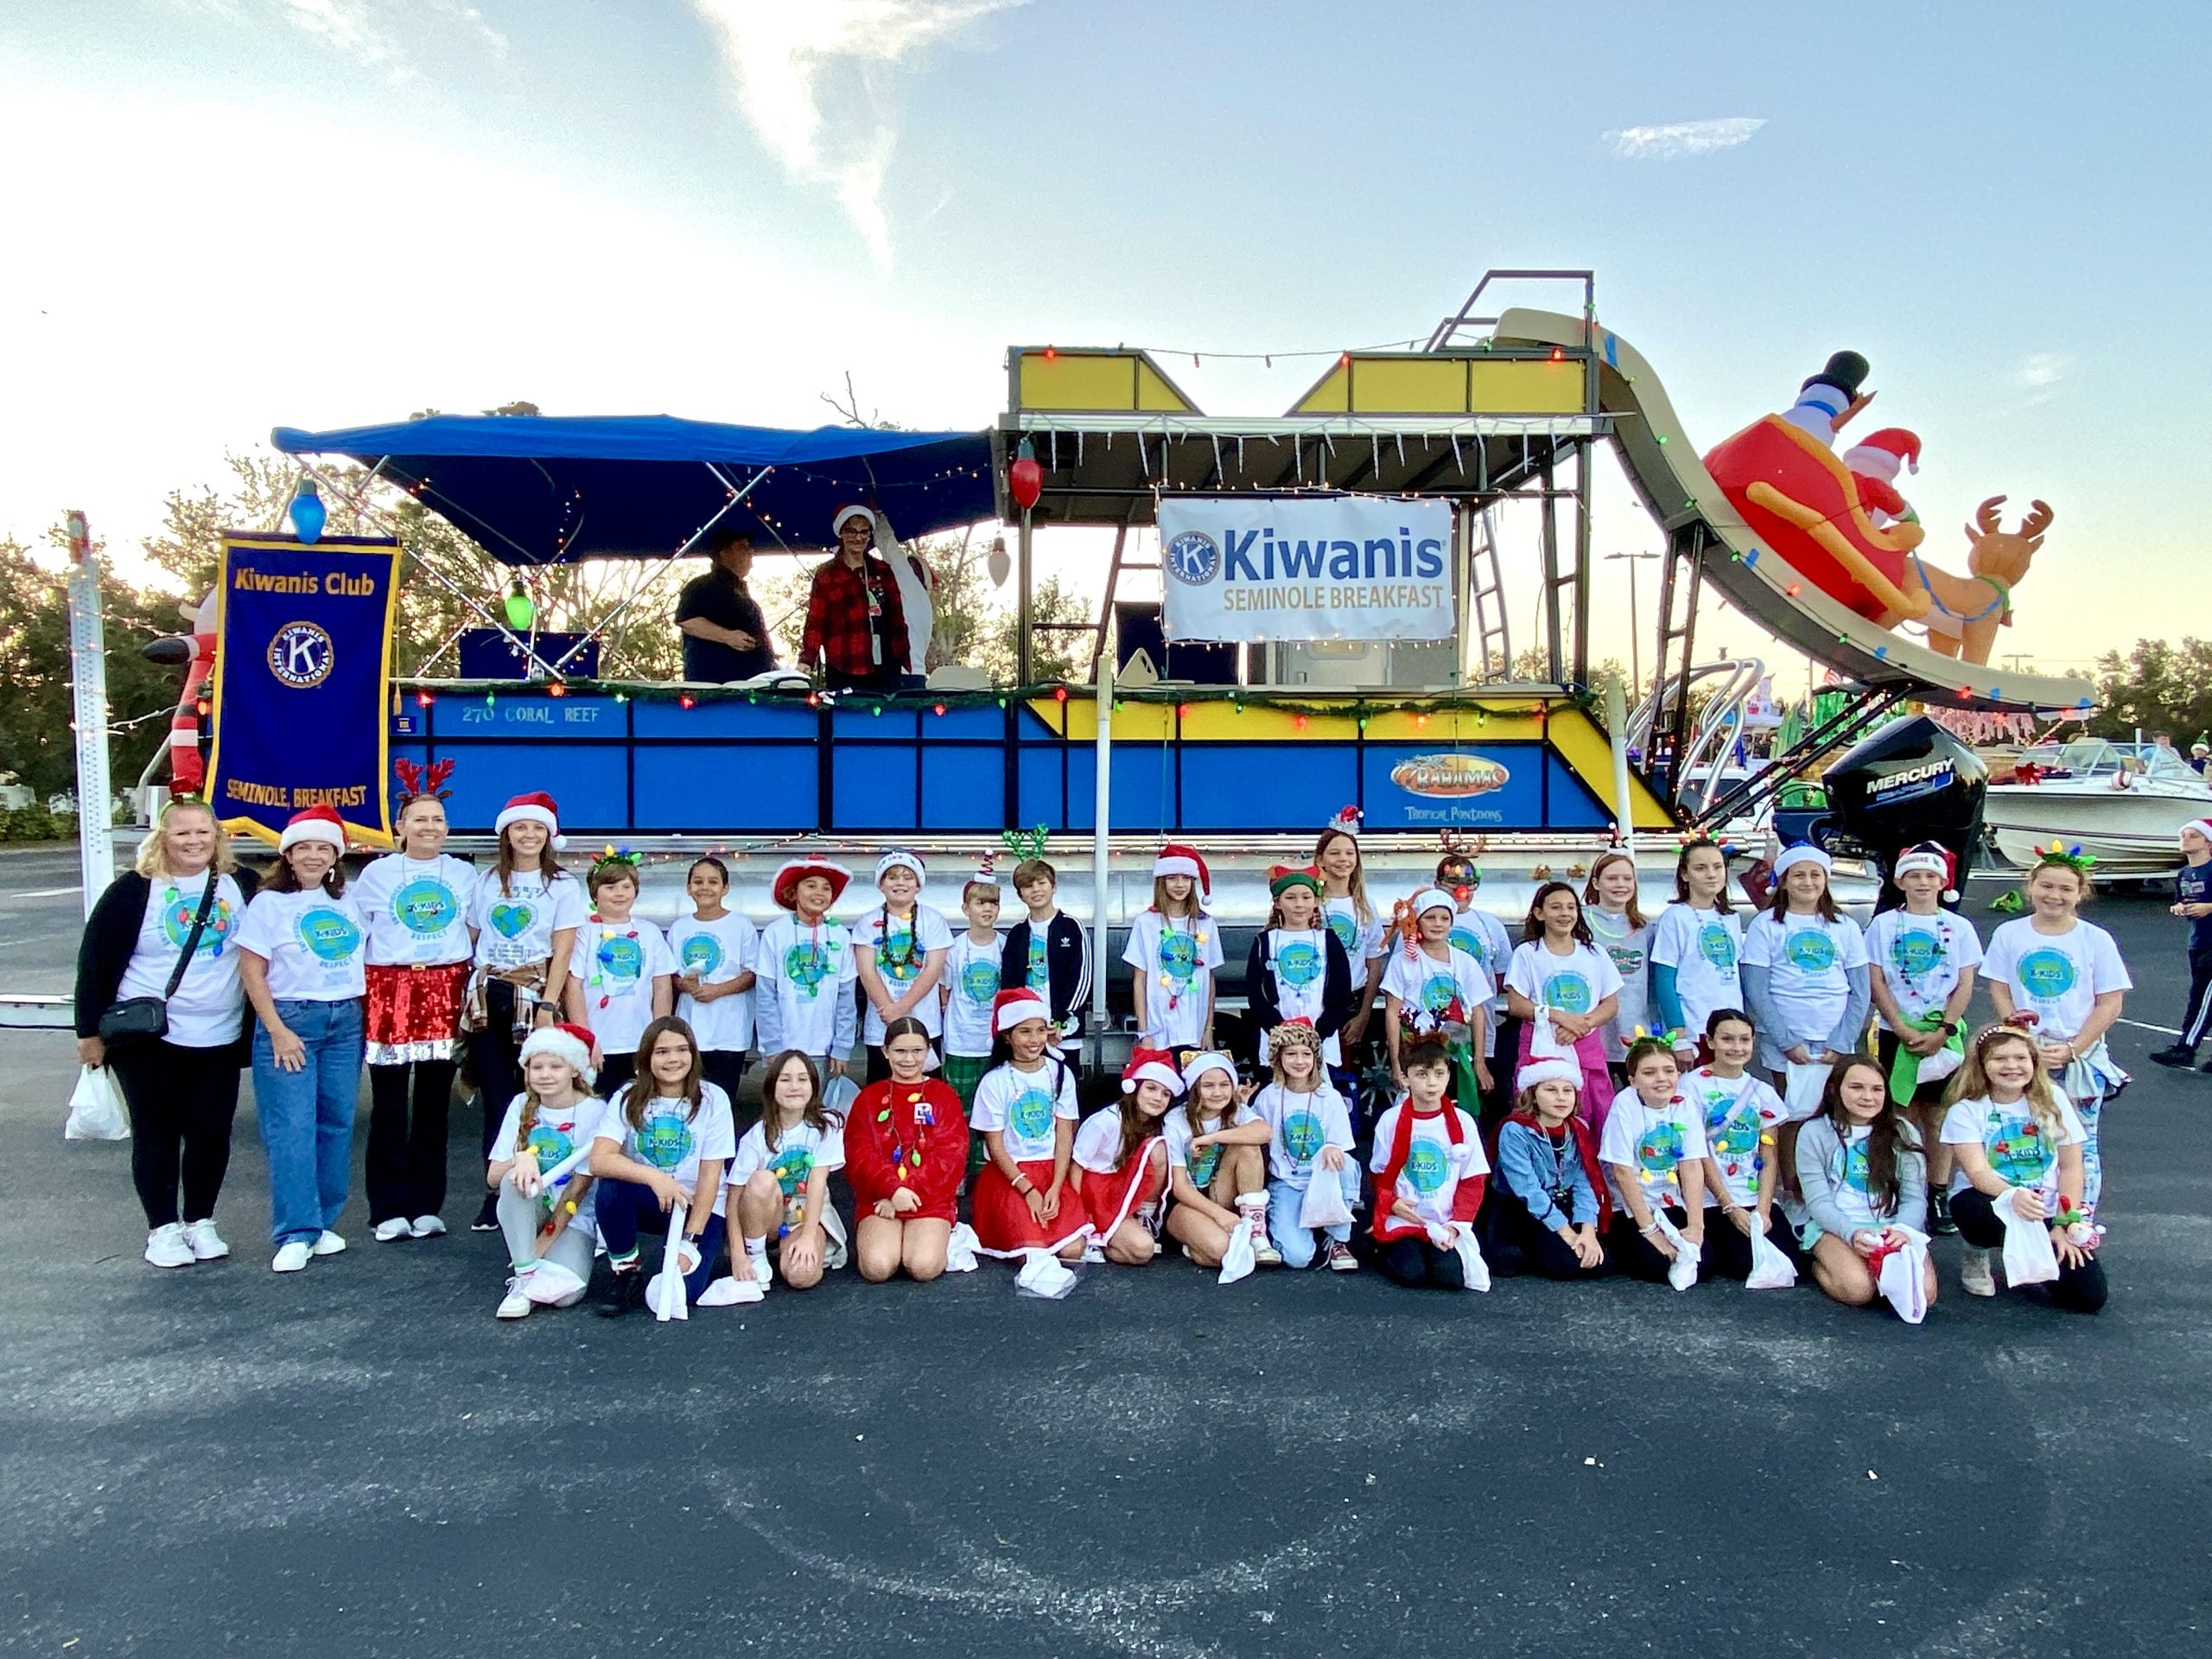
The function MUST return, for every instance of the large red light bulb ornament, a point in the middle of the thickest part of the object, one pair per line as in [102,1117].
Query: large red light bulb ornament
[1025,477]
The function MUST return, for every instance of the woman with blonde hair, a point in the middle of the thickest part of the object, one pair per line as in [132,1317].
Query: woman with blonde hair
[158,1000]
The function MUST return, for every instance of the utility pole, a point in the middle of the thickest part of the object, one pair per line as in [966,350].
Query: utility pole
[1635,627]
[88,669]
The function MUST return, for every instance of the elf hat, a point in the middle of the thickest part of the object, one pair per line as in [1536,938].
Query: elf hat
[1929,855]
[1555,1070]
[2202,826]
[536,807]
[786,890]
[1175,859]
[1010,1008]
[1802,853]
[1879,454]
[1284,876]
[314,824]
[1151,1065]
[987,872]
[1202,1064]
[837,523]
[1435,899]
[898,858]
[566,1042]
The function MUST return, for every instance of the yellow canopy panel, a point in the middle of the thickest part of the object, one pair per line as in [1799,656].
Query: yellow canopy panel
[1123,382]
[1458,383]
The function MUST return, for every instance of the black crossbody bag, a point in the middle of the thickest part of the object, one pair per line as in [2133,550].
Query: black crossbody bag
[146,1018]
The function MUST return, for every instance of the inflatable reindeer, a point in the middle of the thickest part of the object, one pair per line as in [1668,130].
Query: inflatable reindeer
[1964,612]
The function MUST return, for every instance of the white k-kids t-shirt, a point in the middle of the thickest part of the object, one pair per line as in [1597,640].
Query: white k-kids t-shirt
[971,984]
[614,964]
[1202,1163]
[516,928]
[2057,977]
[314,943]
[1705,948]
[2021,1151]
[717,951]
[1574,983]
[1298,1126]
[809,970]
[417,909]
[1176,956]
[1921,958]
[1808,962]
[1427,989]
[901,947]
[674,1139]
[1654,1143]
[208,1009]
[1740,1116]
[1024,1107]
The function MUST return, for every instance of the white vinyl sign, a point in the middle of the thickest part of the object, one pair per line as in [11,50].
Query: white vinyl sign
[1291,568]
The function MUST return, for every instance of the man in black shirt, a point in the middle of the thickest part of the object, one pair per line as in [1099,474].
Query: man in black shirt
[724,637]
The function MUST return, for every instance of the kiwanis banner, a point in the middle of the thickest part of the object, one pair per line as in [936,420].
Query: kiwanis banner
[1355,567]
[302,664]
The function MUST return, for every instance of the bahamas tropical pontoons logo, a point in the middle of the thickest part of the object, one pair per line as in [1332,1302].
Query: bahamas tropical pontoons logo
[1192,558]
[1449,777]
[301,655]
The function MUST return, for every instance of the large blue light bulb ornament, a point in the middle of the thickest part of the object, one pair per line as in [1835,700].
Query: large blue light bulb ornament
[307,513]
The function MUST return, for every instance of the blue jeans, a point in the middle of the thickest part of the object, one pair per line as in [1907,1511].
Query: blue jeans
[1297,1243]
[626,1209]
[307,1116]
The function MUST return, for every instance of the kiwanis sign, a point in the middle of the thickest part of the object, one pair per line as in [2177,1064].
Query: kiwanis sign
[1294,568]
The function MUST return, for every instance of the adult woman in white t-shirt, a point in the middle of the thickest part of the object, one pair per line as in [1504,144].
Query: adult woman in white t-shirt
[181,1090]
[301,959]
[418,902]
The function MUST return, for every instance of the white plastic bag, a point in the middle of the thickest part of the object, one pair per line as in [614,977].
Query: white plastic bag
[728,1291]
[551,1285]
[1460,1238]
[1238,1260]
[1681,1272]
[1802,1087]
[960,1249]
[1770,1269]
[1042,1275]
[96,1108]
[1903,1281]
[1324,1204]
[666,1294]
[2029,1257]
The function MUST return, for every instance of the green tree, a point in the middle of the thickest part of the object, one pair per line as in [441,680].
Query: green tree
[2156,686]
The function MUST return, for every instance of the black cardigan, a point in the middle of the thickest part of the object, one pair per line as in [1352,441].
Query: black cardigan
[1336,985]
[110,938]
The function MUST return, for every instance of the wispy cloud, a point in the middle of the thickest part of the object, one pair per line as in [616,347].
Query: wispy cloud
[779,51]
[1678,138]
[2039,373]
[372,33]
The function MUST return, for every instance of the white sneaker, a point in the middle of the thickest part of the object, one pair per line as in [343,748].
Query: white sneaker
[290,1257]
[166,1248]
[428,1227]
[764,1272]
[1976,1275]
[388,1230]
[206,1243]
[329,1243]
[516,1304]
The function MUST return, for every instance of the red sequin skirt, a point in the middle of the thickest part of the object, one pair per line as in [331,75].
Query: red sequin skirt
[413,1012]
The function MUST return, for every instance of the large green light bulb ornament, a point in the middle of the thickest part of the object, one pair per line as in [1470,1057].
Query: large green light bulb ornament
[521,610]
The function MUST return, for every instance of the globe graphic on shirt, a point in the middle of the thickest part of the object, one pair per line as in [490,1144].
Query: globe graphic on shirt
[1030,1114]
[701,954]
[806,965]
[546,1143]
[1569,992]
[1659,1151]
[979,980]
[1732,1133]
[621,959]
[1717,946]
[896,955]
[1438,993]
[424,906]
[1811,950]
[2017,1150]
[511,919]
[1204,1161]
[1346,926]
[176,924]
[1461,938]
[1426,1165]
[1855,1174]
[1298,964]
[664,1139]
[1178,955]
[791,1166]
[328,935]
[1302,1136]
[2045,975]
[1915,952]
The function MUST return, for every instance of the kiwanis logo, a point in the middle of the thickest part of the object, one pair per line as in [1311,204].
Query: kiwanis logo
[301,655]
[1192,558]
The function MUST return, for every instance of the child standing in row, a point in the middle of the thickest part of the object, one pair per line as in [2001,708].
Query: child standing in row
[2193,904]
[1430,987]
[660,1157]
[1298,969]
[1743,1122]
[1696,946]
[1120,1166]
[1558,975]
[1025,1111]
[807,968]
[1805,974]
[715,950]
[1923,959]
[1652,1148]
[1173,951]
[1309,1139]
[548,1220]
[1046,950]
[1549,1210]
[1347,914]
[1429,1173]
[781,1179]
[1482,934]
[622,975]
[1216,1172]
[971,986]
[905,1149]
[1618,927]
[900,957]
[1860,1168]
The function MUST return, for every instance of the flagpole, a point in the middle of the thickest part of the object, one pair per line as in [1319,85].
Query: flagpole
[88,670]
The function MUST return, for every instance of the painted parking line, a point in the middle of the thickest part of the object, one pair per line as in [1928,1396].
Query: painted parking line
[48,892]
[2143,1024]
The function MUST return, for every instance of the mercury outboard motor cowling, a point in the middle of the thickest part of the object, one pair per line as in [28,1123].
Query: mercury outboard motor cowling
[1911,781]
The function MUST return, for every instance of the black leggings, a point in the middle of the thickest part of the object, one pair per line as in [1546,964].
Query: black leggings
[1727,1253]
[2078,1290]
[492,1056]
[181,1102]
[1415,1263]
[1513,1243]
[405,1166]
[725,1069]
[1630,1252]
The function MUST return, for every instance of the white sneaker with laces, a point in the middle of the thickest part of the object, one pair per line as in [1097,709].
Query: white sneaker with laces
[1976,1274]
[206,1243]
[329,1243]
[1339,1258]
[428,1227]
[290,1257]
[166,1247]
[516,1304]
[388,1230]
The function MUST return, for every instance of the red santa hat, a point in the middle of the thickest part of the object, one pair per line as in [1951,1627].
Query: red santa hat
[570,1043]
[536,807]
[1929,855]
[1202,1064]
[1175,859]
[794,871]
[1010,1008]
[1879,454]
[1151,1065]
[837,523]
[1552,1071]
[2202,826]
[314,824]
[1347,820]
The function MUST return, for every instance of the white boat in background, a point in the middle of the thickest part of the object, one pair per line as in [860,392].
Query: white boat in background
[2126,809]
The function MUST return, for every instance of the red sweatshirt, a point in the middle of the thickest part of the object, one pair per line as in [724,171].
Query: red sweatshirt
[909,1135]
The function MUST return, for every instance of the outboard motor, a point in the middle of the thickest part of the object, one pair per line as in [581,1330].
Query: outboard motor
[1911,781]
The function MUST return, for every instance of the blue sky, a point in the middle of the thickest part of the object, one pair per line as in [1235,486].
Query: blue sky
[230,214]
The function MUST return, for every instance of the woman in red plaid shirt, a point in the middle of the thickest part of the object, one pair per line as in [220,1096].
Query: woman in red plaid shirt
[855,623]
